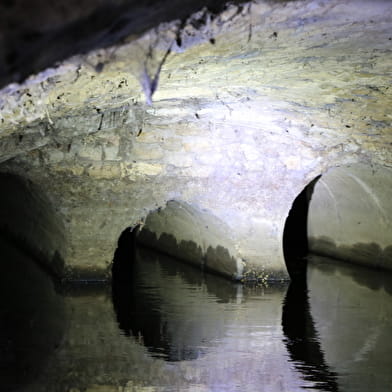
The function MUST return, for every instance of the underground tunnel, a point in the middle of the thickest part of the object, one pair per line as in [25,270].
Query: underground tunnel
[198,195]
[174,113]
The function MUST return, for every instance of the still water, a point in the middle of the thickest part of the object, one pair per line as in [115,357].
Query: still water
[168,327]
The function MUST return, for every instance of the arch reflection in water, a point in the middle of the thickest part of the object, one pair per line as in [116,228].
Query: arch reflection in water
[302,339]
[352,312]
[219,335]
[165,304]
[337,327]
[31,320]
[229,337]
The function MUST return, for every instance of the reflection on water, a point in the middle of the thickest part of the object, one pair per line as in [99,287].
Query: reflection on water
[168,306]
[302,339]
[352,312]
[31,319]
[168,327]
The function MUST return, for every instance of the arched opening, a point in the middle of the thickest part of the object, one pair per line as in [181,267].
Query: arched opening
[295,234]
[29,221]
[350,215]
[344,214]
[192,235]
[156,271]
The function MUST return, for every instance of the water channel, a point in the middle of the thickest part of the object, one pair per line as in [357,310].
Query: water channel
[165,326]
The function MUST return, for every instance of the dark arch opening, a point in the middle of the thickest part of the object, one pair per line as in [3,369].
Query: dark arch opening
[295,234]
[301,336]
[124,254]
[31,223]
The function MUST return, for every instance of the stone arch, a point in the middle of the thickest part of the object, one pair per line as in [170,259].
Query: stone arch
[193,235]
[346,214]
[28,220]
[350,215]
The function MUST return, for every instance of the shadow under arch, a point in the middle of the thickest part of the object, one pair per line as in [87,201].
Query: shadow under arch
[295,233]
[31,223]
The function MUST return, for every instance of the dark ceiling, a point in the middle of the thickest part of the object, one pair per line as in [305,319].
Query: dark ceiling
[35,34]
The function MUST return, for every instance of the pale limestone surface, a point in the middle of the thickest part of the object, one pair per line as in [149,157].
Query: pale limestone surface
[193,235]
[255,103]
[349,215]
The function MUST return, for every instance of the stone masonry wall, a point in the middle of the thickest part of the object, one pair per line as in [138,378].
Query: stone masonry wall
[249,107]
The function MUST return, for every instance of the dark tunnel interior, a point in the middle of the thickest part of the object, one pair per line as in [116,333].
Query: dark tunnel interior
[295,234]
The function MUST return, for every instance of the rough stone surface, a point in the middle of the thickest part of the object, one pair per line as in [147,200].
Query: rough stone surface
[251,105]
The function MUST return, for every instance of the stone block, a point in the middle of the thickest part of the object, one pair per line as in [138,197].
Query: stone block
[197,145]
[104,171]
[55,156]
[76,170]
[147,151]
[292,162]
[131,387]
[250,152]
[102,388]
[196,171]
[148,169]
[172,144]
[180,160]
[151,136]
[93,153]
[212,158]
[111,153]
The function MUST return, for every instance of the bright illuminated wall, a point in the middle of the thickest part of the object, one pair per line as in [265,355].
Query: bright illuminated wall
[194,236]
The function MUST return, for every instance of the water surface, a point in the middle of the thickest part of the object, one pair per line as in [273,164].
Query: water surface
[166,326]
